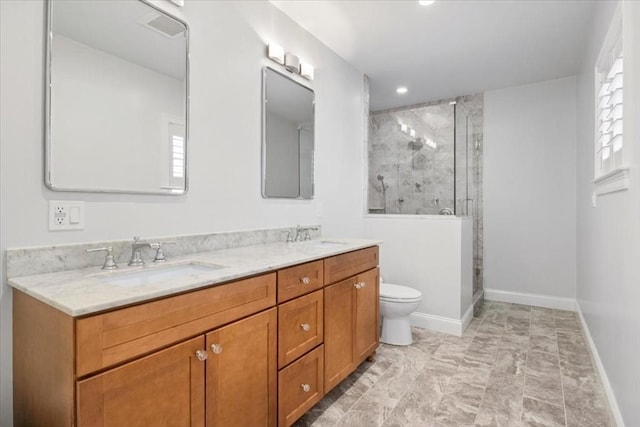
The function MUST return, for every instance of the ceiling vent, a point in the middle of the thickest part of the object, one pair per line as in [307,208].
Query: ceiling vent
[163,24]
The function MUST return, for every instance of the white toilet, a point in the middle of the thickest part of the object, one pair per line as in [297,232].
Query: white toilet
[396,304]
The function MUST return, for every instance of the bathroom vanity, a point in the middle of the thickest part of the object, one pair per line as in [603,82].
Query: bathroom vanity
[258,341]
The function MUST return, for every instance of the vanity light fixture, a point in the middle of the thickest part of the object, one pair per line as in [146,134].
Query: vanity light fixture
[275,52]
[290,61]
[402,90]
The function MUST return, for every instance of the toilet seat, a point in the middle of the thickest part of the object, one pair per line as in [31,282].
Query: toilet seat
[398,293]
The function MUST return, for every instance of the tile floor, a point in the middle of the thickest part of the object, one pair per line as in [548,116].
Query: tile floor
[514,366]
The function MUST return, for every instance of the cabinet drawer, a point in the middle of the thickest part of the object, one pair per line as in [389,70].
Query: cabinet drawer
[299,280]
[110,338]
[300,327]
[340,267]
[300,386]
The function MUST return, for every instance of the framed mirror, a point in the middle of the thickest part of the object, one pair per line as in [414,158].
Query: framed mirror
[117,82]
[287,137]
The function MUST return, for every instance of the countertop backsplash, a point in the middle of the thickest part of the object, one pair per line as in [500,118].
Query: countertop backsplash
[51,259]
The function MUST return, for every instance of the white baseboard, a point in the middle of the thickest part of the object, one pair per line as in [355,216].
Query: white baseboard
[530,299]
[445,324]
[613,403]
[437,323]
[466,319]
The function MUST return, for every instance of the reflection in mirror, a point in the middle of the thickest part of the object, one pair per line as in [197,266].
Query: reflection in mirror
[116,98]
[288,137]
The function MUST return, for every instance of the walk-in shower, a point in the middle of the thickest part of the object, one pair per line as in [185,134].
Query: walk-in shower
[427,160]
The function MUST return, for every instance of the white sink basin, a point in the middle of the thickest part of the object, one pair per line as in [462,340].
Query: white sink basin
[152,275]
[326,244]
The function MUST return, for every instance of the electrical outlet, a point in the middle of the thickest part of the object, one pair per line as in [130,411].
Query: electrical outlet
[66,215]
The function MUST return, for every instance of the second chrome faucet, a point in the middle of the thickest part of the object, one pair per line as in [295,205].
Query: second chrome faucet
[138,245]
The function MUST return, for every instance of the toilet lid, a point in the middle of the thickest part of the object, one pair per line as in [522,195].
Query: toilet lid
[388,290]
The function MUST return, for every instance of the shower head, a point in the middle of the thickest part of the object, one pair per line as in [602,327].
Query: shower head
[380,177]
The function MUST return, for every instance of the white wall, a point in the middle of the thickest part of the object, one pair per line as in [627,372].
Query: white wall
[431,254]
[608,236]
[530,188]
[227,55]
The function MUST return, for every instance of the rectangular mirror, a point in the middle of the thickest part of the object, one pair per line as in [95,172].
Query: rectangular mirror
[287,137]
[117,98]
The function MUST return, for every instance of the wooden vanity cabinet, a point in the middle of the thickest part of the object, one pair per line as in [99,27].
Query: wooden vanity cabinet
[116,369]
[226,355]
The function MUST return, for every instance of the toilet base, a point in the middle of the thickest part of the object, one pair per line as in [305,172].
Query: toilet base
[396,331]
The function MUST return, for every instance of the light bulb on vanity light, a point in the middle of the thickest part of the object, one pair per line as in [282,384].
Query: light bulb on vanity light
[306,70]
[426,2]
[275,52]
[402,90]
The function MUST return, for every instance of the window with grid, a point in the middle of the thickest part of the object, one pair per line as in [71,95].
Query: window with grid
[610,171]
[610,113]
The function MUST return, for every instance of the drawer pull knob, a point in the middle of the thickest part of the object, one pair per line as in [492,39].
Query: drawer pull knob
[216,348]
[305,387]
[305,280]
[305,326]
[201,355]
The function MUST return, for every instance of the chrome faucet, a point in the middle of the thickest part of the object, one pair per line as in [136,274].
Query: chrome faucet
[160,257]
[109,260]
[302,233]
[136,257]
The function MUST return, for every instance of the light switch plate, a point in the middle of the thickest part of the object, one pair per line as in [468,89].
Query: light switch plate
[66,215]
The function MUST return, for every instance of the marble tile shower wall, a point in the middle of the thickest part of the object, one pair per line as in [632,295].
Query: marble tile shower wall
[408,174]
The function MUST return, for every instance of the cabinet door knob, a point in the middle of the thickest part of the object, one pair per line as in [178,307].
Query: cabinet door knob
[363,284]
[216,348]
[358,285]
[305,280]
[305,326]
[201,355]
[305,387]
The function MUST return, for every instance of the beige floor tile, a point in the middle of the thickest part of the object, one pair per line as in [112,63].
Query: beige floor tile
[541,414]
[545,389]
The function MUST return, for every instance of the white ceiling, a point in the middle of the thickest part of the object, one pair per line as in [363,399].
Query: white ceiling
[450,48]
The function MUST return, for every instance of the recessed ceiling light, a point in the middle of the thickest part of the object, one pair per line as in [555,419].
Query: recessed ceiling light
[402,89]
[426,2]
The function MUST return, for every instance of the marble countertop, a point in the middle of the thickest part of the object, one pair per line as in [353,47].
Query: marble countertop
[82,292]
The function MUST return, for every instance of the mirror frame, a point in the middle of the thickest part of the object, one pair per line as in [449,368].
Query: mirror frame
[264,137]
[47,111]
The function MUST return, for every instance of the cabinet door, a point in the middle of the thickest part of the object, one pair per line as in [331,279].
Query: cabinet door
[241,373]
[339,322]
[366,318]
[165,388]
